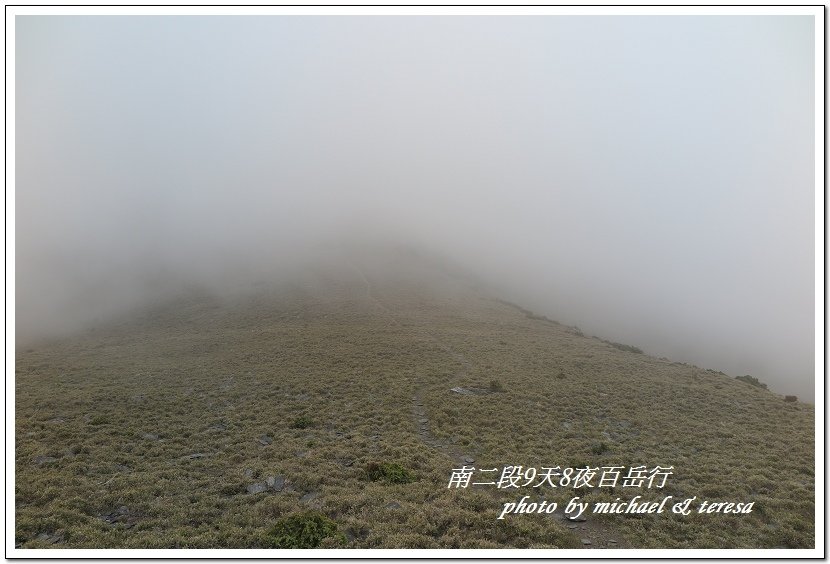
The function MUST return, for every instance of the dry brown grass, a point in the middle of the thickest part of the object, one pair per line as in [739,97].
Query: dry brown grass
[124,409]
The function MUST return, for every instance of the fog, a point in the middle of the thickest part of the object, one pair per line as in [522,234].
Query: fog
[649,179]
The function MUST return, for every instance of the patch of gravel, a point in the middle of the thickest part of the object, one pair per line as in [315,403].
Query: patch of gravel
[471,391]
[121,516]
[271,483]
[257,488]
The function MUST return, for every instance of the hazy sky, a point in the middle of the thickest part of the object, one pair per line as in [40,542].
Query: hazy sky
[647,178]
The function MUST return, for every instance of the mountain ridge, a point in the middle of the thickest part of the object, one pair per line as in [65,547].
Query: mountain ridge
[168,422]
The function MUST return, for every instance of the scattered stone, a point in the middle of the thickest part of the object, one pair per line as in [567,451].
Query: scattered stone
[469,459]
[566,425]
[572,526]
[123,515]
[586,542]
[275,482]
[218,427]
[248,473]
[423,420]
[257,488]
[52,538]
[265,440]
[393,505]
[123,468]
[150,437]
[41,460]
[309,497]
[579,519]
[612,541]
[471,391]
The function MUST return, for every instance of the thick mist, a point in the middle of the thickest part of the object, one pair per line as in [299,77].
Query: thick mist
[649,179]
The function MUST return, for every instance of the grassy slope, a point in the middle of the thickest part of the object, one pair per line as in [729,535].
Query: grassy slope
[212,377]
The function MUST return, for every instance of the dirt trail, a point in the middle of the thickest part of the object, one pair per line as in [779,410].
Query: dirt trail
[371,297]
[597,533]
[421,420]
[419,413]
[593,534]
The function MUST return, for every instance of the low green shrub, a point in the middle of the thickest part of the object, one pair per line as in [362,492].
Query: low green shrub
[496,386]
[391,472]
[302,422]
[600,448]
[303,530]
